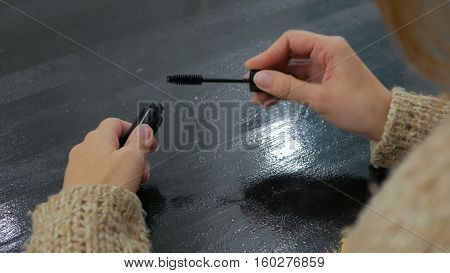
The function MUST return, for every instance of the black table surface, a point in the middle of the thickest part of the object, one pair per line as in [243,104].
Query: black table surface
[270,197]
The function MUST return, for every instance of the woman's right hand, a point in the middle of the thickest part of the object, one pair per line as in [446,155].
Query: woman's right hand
[336,84]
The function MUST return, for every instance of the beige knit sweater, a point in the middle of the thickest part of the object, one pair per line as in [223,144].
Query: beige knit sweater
[410,213]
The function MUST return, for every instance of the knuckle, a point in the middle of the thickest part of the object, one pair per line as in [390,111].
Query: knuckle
[339,41]
[291,32]
[297,32]
[290,87]
[108,121]
[74,151]
[284,95]
[89,136]
[336,44]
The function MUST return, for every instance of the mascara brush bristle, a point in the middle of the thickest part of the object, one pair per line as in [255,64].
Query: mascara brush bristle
[185,79]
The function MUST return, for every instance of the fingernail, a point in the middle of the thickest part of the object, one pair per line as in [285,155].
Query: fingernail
[263,80]
[271,102]
[246,74]
[143,131]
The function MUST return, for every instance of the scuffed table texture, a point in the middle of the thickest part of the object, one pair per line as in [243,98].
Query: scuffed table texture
[52,92]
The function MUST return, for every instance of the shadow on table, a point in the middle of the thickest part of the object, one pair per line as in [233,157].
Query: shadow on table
[302,195]
[154,203]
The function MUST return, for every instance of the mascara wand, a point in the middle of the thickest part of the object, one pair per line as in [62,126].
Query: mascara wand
[198,80]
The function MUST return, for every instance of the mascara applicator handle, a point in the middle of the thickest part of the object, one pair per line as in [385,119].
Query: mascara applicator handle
[252,85]
[150,115]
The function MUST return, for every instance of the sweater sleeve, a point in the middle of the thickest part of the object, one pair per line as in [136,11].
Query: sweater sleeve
[410,119]
[410,212]
[96,218]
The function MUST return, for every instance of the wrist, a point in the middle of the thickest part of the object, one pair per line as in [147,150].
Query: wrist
[381,115]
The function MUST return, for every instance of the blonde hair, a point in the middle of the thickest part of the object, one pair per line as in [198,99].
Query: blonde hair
[423,30]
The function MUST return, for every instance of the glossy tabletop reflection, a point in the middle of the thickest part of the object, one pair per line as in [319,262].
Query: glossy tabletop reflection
[279,180]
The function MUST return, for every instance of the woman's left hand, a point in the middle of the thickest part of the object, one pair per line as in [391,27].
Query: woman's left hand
[98,159]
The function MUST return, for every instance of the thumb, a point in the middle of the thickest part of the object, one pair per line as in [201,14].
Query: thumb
[141,139]
[285,86]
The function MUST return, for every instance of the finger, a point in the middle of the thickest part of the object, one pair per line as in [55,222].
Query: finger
[146,172]
[286,87]
[141,139]
[111,129]
[261,98]
[292,44]
[302,69]
[271,102]
[154,145]
[114,125]
[311,72]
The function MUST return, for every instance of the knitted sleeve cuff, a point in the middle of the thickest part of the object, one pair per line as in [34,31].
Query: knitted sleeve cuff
[410,119]
[95,218]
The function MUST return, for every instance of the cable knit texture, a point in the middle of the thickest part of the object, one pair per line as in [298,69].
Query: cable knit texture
[96,218]
[411,118]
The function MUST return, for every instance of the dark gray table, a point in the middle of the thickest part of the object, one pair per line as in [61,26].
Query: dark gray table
[268,198]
